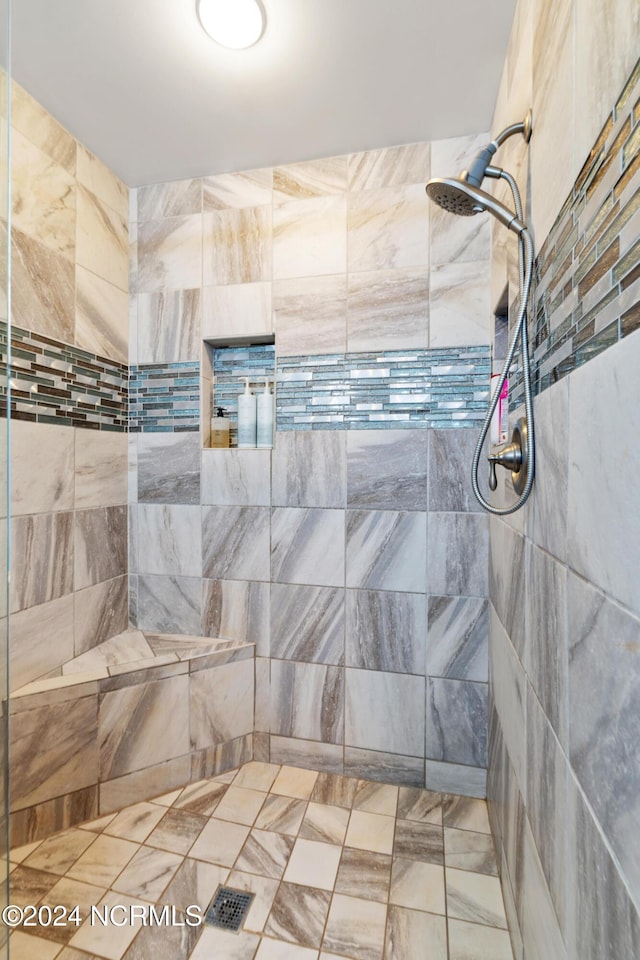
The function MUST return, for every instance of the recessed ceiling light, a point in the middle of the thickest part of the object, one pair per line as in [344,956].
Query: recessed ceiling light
[232,23]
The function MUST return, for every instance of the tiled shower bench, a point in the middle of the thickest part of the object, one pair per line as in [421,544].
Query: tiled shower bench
[136,716]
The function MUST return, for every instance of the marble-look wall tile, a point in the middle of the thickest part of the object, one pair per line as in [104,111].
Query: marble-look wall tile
[459,308]
[457,721]
[603,920]
[310,238]
[389,167]
[169,540]
[603,684]
[450,458]
[100,612]
[249,188]
[42,287]
[604,513]
[309,754]
[100,180]
[53,751]
[150,782]
[307,546]
[547,802]
[221,704]
[546,654]
[458,553]
[41,467]
[43,819]
[235,543]
[388,310]
[100,468]
[300,474]
[458,239]
[309,179]
[539,924]
[41,640]
[237,610]
[307,623]
[133,732]
[458,638]
[307,701]
[102,242]
[387,467]
[237,310]
[552,474]
[170,254]
[386,631]
[236,477]
[456,778]
[386,550]
[384,767]
[508,686]
[102,316]
[43,197]
[168,325]
[43,130]
[388,229]
[42,558]
[507,580]
[170,604]
[310,315]
[168,468]
[372,718]
[100,545]
[179,198]
[237,245]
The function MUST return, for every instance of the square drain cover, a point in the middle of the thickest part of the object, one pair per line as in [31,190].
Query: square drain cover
[229,908]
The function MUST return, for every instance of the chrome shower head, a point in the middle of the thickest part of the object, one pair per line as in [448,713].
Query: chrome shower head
[459,197]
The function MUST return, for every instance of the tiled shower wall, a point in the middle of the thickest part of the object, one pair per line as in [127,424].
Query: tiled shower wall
[564,767]
[354,558]
[70,351]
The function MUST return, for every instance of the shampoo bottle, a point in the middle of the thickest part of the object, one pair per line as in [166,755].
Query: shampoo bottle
[246,417]
[220,429]
[265,417]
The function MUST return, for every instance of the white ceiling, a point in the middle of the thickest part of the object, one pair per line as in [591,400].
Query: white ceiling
[141,84]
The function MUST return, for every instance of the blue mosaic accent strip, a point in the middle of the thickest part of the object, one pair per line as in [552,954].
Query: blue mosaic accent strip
[164,397]
[53,382]
[373,391]
[232,363]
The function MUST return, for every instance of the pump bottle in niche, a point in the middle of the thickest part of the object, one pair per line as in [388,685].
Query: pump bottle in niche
[265,417]
[247,417]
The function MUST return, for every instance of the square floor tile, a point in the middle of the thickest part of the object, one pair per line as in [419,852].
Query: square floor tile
[18,854]
[168,799]
[148,873]
[276,950]
[355,928]
[370,831]
[177,831]
[26,947]
[281,814]
[470,941]
[364,874]
[257,776]
[419,841]
[475,897]
[135,822]
[313,864]
[467,850]
[194,882]
[323,822]
[298,915]
[295,782]
[264,891]
[465,813]
[376,798]
[101,863]
[417,885]
[220,842]
[69,893]
[265,853]
[241,805]
[28,885]
[334,789]
[60,852]
[412,934]
[217,944]
[422,805]
[202,797]
[112,940]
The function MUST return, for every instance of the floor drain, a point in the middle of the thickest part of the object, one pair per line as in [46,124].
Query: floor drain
[229,908]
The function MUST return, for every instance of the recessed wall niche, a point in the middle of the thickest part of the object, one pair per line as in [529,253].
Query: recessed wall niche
[225,364]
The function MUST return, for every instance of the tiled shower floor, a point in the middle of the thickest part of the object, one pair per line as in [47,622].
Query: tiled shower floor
[340,868]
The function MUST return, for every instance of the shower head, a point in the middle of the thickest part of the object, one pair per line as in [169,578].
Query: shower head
[459,197]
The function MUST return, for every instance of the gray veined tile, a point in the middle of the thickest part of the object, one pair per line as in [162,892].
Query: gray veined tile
[176,199]
[458,239]
[201,798]
[102,242]
[298,915]
[552,474]
[457,721]
[307,546]
[282,815]
[387,468]
[93,174]
[325,823]
[170,254]
[237,610]
[135,822]
[307,701]
[100,545]
[327,757]
[298,480]
[249,188]
[221,704]
[41,639]
[59,852]
[335,790]
[235,543]
[169,326]
[471,941]
[387,229]
[450,458]
[458,638]
[458,551]
[386,550]
[389,167]
[43,288]
[265,853]
[169,468]
[170,604]
[386,631]
[310,316]
[169,540]
[459,306]
[418,841]
[43,558]
[235,477]
[236,310]
[102,316]
[376,798]
[100,468]
[100,612]
[311,178]
[220,842]
[42,467]
[383,766]
[41,128]
[310,237]
[148,873]
[424,806]
[388,310]
[356,928]
[237,245]
[474,897]
[177,831]
[466,850]
[307,623]
[417,885]
[364,874]
[409,930]
[372,720]
[194,882]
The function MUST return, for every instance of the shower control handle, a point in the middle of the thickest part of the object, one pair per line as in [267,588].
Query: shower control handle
[508,456]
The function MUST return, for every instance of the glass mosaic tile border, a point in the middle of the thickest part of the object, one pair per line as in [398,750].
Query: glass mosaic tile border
[401,388]
[587,293]
[53,382]
[164,397]
[255,361]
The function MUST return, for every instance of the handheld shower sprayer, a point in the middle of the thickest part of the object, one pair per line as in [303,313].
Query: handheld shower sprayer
[465,197]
